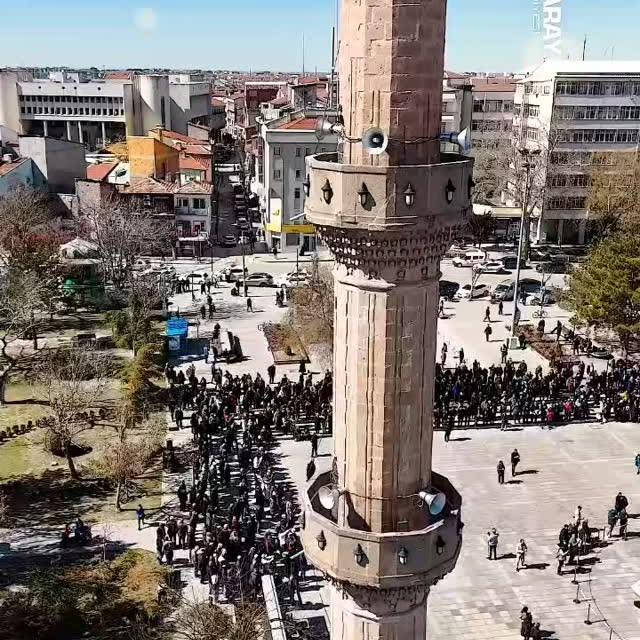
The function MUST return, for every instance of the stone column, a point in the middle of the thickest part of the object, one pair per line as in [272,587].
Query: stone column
[560,231]
[582,230]
[80,136]
[104,134]
[45,126]
[383,401]
[69,130]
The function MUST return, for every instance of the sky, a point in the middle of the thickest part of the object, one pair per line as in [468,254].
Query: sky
[482,35]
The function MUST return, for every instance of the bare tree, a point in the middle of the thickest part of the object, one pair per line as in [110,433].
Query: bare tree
[199,620]
[614,193]
[122,232]
[22,296]
[312,306]
[29,236]
[73,381]
[128,457]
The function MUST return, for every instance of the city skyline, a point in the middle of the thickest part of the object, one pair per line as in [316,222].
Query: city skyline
[40,34]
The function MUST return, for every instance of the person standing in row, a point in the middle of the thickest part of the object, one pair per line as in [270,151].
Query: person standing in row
[501,470]
[521,555]
[492,544]
[515,460]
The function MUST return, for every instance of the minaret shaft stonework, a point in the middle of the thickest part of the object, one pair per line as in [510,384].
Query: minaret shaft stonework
[387,219]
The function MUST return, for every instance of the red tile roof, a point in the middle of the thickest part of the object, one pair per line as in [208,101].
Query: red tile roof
[303,124]
[494,85]
[194,163]
[99,172]
[152,186]
[195,188]
[7,167]
[173,135]
[118,75]
[197,150]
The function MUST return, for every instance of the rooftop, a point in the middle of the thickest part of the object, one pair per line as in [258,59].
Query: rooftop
[151,186]
[99,172]
[551,68]
[193,163]
[7,167]
[196,188]
[301,124]
[494,85]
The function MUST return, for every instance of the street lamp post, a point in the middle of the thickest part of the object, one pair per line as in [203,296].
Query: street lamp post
[527,165]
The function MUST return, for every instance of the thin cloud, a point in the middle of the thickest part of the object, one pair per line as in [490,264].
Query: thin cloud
[145,19]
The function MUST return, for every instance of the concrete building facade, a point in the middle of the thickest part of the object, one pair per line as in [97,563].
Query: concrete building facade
[492,120]
[97,112]
[575,111]
[387,217]
[279,175]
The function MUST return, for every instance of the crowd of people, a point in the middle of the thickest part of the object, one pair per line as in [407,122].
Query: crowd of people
[511,394]
[238,518]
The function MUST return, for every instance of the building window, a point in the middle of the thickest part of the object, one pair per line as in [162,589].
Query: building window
[183,202]
[199,203]
[296,194]
[307,151]
[298,174]
[276,151]
[298,152]
[277,174]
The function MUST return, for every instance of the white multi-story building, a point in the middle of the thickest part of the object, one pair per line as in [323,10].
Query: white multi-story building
[492,118]
[97,112]
[279,176]
[574,112]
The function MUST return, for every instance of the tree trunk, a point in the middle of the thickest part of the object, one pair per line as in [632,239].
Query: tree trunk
[3,387]
[72,467]
[118,495]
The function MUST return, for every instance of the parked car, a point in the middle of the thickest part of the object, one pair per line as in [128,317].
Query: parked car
[228,241]
[539,255]
[293,278]
[470,258]
[546,297]
[234,273]
[479,291]
[511,262]
[448,289]
[259,280]
[491,267]
[553,266]
[242,223]
[504,290]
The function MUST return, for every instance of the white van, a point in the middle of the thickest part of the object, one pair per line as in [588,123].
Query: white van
[470,258]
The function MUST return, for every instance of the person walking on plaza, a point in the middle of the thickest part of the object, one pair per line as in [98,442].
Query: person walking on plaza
[178,415]
[621,501]
[487,314]
[447,430]
[314,445]
[182,496]
[443,354]
[638,464]
[271,372]
[561,557]
[500,308]
[500,472]
[504,351]
[441,308]
[492,544]
[140,516]
[515,460]
[461,355]
[487,332]
[311,469]
[521,555]
[526,624]
[249,304]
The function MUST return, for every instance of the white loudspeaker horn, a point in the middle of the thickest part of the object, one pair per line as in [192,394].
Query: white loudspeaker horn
[375,141]
[434,501]
[323,128]
[462,139]
[328,497]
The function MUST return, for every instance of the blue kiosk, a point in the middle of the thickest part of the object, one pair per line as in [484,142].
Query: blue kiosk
[177,332]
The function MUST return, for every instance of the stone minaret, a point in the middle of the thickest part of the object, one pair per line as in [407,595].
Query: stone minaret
[387,218]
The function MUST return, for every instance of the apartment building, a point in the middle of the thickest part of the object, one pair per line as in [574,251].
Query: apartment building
[279,175]
[492,118]
[576,112]
[100,111]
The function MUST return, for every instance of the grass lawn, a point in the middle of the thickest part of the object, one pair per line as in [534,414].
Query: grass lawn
[25,455]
